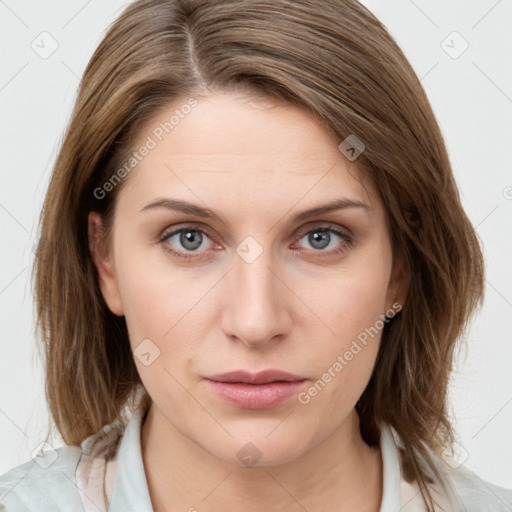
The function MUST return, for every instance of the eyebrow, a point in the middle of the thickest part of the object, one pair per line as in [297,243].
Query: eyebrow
[194,209]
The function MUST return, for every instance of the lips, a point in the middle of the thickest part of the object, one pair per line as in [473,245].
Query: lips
[263,390]
[262,377]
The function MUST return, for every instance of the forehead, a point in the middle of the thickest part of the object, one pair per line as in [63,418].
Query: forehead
[242,150]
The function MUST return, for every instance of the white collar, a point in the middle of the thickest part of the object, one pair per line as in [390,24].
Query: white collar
[391,500]
[130,491]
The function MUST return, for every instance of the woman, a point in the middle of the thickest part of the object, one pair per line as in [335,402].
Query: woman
[253,270]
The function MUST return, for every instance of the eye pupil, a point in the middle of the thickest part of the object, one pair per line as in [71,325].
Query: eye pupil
[191,236]
[321,241]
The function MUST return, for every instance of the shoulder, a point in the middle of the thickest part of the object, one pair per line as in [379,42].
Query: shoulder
[68,477]
[453,486]
[479,495]
[44,483]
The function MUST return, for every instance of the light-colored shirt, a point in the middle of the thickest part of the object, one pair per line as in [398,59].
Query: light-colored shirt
[107,473]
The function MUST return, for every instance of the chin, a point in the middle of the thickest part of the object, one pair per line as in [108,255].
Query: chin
[258,450]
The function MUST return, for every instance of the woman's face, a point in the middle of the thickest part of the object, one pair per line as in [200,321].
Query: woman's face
[251,282]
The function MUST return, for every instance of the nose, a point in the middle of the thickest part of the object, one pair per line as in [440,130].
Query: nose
[256,301]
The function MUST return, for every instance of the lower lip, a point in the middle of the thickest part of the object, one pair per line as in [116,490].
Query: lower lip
[256,396]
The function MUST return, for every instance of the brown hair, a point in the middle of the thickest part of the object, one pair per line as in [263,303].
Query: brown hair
[333,58]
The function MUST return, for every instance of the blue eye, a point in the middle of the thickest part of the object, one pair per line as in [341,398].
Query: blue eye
[192,239]
[321,239]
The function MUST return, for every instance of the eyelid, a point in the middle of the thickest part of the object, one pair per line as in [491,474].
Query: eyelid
[172,230]
[180,254]
[325,225]
[346,240]
[167,232]
[343,233]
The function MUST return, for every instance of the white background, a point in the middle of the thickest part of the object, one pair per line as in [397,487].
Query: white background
[471,96]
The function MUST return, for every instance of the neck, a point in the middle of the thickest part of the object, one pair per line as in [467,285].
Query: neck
[342,472]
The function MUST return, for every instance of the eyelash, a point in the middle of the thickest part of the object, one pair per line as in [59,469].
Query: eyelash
[345,238]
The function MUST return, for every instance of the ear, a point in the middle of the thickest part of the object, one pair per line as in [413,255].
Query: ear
[104,263]
[399,280]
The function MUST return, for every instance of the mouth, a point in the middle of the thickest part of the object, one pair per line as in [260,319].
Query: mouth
[263,390]
[263,377]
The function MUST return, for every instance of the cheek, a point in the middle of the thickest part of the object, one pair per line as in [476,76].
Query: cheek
[148,307]
[352,307]
[350,302]
[162,322]
[345,364]
[170,307]
[154,295]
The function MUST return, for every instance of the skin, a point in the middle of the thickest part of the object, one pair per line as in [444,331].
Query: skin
[296,307]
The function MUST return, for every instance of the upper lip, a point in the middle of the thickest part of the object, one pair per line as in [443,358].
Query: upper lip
[262,377]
